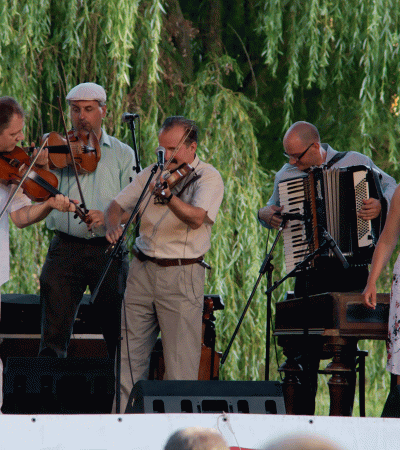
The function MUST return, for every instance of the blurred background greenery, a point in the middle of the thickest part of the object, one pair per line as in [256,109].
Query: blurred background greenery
[244,70]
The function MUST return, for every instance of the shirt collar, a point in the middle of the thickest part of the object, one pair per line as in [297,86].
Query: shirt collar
[105,139]
[195,162]
[330,152]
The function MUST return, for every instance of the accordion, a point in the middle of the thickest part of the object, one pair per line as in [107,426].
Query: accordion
[329,200]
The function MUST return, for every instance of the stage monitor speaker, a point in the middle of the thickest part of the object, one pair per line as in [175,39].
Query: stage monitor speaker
[58,386]
[252,397]
[392,405]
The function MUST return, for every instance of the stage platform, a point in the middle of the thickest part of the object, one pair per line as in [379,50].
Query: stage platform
[151,431]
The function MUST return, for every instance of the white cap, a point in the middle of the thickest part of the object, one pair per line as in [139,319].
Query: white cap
[87,91]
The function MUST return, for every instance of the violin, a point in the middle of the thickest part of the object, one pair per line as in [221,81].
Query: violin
[171,179]
[209,362]
[85,149]
[39,185]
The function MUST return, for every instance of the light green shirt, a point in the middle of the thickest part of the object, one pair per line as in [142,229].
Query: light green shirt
[114,171]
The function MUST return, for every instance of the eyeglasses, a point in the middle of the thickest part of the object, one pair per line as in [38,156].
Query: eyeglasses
[297,158]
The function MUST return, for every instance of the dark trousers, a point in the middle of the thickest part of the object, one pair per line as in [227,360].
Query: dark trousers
[328,276]
[71,265]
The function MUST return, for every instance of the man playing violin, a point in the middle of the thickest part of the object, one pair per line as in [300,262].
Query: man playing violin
[165,287]
[20,209]
[77,253]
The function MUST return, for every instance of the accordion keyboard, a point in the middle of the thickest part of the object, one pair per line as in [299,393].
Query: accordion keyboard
[328,200]
[292,197]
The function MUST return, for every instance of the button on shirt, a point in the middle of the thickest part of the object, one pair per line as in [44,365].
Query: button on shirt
[114,171]
[162,234]
[19,201]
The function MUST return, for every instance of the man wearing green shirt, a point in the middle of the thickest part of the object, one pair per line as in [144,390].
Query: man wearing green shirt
[77,252]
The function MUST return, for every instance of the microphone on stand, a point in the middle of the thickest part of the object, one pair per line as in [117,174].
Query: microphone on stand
[336,250]
[160,157]
[128,117]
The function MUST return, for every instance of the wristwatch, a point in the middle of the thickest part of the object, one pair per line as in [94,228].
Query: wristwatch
[168,199]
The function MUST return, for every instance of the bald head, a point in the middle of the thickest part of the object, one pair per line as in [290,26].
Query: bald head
[196,438]
[304,131]
[303,147]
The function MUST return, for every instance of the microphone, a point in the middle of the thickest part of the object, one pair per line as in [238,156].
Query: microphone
[160,157]
[336,250]
[127,117]
[292,216]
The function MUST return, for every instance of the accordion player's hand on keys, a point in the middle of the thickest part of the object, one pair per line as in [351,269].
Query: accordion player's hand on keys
[271,215]
[370,209]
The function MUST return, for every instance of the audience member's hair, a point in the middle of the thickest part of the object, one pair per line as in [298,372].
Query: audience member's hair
[196,438]
[303,442]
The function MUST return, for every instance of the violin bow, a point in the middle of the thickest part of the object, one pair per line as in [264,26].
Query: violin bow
[178,147]
[83,204]
[23,178]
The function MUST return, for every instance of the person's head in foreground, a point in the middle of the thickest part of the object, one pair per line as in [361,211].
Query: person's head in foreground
[303,442]
[196,438]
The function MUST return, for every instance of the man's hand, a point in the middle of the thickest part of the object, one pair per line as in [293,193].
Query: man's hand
[96,219]
[62,203]
[113,234]
[271,215]
[114,215]
[161,190]
[43,158]
[370,209]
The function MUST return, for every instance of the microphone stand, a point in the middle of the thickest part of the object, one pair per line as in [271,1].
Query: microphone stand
[263,269]
[132,128]
[299,267]
[118,252]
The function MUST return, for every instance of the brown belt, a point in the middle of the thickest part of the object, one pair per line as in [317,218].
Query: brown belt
[165,262]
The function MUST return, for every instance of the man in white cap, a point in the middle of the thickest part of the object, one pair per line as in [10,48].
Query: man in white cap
[77,252]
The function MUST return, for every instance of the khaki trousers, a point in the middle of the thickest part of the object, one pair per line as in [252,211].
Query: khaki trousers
[166,299]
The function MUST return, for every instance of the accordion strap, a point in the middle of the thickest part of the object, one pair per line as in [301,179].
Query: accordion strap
[384,204]
[335,159]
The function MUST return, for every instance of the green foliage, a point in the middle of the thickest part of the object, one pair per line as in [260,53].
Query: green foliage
[229,143]
[28,249]
[282,61]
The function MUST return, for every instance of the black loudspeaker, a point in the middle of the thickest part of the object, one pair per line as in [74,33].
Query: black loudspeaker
[392,405]
[58,386]
[252,397]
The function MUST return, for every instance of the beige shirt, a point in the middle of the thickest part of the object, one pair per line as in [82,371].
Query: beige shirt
[162,234]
